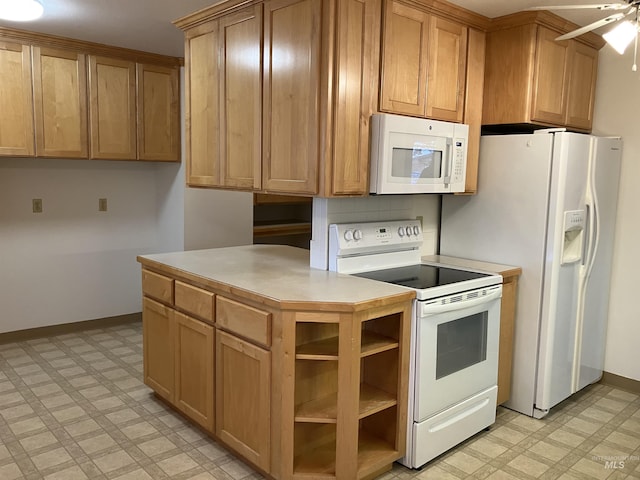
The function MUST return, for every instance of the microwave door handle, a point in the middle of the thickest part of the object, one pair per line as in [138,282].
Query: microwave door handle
[448,161]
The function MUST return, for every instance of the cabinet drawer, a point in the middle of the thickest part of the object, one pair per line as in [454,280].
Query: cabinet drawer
[157,286]
[194,300]
[246,321]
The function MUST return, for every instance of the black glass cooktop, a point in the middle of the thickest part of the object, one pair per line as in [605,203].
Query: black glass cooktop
[421,276]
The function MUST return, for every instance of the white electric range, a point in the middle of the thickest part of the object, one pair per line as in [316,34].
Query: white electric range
[454,332]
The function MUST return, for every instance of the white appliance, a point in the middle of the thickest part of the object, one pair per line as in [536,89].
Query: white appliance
[454,332]
[546,202]
[416,155]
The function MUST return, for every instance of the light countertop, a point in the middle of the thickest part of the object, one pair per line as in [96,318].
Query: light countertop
[278,275]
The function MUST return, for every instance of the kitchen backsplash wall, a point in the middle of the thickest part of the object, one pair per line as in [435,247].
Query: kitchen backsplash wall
[370,209]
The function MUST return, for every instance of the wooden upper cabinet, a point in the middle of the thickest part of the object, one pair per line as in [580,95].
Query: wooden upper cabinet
[550,78]
[447,70]
[404,59]
[356,66]
[424,60]
[202,93]
[16,101]
[280,95]
[530,78]
[583,67]
[291,113]
[60,92]
[158,113]
[112,108]
[240,77]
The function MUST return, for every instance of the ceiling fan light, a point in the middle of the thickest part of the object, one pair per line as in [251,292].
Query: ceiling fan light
[20,10]
[621,36]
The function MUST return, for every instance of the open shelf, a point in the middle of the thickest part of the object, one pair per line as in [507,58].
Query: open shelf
[374,453]
[325,409]
[325,349]
[281,227]
[373,343]
[315,451]
[373,400]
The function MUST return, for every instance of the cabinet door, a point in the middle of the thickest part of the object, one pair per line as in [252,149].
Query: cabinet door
[60,92]
[404,59]
[194,346]
[158,347]
[583,68]
[16,100]
[447,70]
[291,101]
[241,98]
[550,78]
[112,108]
[243,406]
[356,63]
[158,113]
[202,106]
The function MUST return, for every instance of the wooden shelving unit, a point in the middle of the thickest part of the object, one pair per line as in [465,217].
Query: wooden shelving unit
[321,418]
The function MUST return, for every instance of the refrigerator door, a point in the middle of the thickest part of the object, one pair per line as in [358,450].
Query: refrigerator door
[566,231]
[506,222]
[605,175]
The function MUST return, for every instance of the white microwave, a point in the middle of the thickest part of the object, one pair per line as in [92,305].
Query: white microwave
[417,155]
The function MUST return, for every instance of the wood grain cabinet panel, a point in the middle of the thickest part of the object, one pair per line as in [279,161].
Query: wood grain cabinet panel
[243,398]
[194,369]
[16,100]
[582,86]
[112,108]
[241,98]
[447,70]
[405,58]
[550,78]
[60,92]
[291,116]
[280,93]
[530,78]
[202,91]
[158,113]
[158,348]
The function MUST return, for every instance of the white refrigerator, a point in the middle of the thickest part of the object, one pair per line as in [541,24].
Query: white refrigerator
[546,202]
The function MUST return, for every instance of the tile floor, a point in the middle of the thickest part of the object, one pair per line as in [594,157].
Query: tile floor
[74,407]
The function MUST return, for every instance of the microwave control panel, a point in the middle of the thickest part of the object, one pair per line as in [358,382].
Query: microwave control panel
[458,173]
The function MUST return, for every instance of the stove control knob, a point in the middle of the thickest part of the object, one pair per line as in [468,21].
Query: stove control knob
[348,235]
[401,231]
[409,231]
[357,235]
[416,230]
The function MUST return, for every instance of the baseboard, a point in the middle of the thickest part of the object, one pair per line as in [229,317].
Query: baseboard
[622,383]
[52,330]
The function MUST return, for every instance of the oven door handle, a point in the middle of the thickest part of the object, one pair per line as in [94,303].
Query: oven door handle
[433,308]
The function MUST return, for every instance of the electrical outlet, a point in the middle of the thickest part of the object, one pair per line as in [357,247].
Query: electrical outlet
[102,204]
[36,203]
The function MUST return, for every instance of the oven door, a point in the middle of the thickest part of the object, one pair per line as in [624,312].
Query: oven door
[456,349]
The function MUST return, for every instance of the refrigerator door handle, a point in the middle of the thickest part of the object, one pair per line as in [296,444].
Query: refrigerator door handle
[587,239]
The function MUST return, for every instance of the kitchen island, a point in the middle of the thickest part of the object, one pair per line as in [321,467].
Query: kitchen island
[302,372]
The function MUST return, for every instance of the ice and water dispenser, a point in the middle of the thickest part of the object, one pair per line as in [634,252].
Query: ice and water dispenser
[573,227]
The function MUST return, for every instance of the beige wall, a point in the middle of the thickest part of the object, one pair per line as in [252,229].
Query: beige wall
[617,112]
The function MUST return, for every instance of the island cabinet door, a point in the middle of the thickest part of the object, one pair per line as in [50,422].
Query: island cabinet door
[194,369]
[158,348]
[243,406]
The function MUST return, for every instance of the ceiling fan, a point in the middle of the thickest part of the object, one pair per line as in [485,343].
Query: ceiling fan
[620,36]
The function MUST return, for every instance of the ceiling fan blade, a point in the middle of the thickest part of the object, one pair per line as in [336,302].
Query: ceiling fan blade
[592,26]
[601,6]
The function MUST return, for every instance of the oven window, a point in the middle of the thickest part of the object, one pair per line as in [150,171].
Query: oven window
[416,163]
[461,343]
